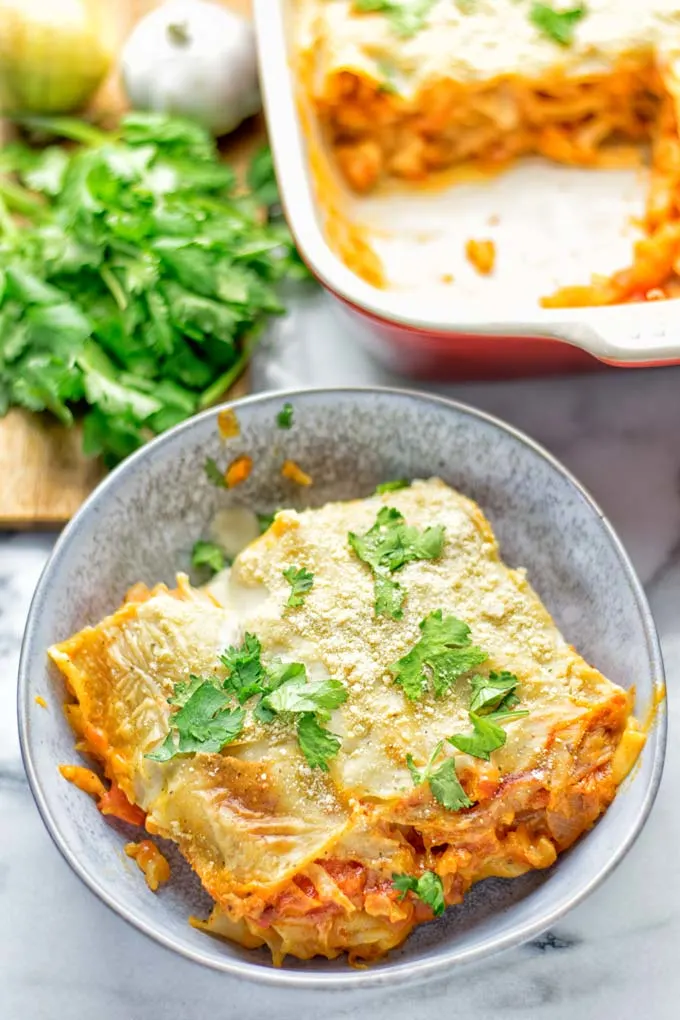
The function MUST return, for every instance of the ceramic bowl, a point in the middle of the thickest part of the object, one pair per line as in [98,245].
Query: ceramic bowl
[140,525]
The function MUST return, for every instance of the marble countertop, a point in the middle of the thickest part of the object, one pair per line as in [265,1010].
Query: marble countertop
[64,956]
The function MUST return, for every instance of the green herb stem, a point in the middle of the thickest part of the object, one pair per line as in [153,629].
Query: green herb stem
[225,381]
[113,284]
[20,200]
[66,127]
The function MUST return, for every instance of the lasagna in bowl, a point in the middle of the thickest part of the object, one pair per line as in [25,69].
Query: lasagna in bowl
[408,88]
[363,716]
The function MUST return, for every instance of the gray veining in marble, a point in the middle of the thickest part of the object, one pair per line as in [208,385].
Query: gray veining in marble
[64,956]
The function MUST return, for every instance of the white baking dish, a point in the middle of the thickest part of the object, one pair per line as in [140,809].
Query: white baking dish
[552,226]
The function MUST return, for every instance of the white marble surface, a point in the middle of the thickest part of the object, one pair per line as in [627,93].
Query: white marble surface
[64,956]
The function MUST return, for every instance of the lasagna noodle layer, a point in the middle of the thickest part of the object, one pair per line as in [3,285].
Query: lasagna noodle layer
[586,113]
[302,860]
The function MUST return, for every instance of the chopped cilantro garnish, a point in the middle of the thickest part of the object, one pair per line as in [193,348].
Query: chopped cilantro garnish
[443,654]
[310,703]
[213,473]
[184,690]
[557,25]
[298,695]
[284,418]
[446,788]
[388,546]
[493,692]
[393,486]
[208,554]
[265,521]
[317,744]
[406,17]
[246,676]
[300,581]
[278,673]
[487,737]
[428,888]
[202,723]
[493,698]
[444,782]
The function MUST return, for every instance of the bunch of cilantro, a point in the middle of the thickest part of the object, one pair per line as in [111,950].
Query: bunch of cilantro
[134,275]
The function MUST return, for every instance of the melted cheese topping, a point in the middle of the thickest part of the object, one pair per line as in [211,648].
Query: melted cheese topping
[329,632]
[273,839]
[481,40]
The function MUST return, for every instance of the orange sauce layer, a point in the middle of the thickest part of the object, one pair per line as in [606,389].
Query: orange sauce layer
[597,121]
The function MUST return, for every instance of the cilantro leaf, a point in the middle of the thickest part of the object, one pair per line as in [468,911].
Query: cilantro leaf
[443,653]
[184,690]
[310,703]
[428,887]
[208,554]
[298,695]
[393,486]
[278,673]
[493,692]
[406,17]
[317,744]
[557,25]
[284,418]
[262,179]
[389,596]
[387,547]
[246,676]
[493,699]
[265,521]
[213,473]
[204,723]
[487,737]
[301,582]
[446,787]
[443,781]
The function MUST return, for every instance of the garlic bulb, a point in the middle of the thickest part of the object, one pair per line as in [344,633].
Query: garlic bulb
[52,54]
[193,58]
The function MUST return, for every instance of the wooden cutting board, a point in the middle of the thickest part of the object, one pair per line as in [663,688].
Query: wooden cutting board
[45,476]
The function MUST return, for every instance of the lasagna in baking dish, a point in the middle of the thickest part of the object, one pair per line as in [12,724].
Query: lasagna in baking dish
[407,88]
[367,713]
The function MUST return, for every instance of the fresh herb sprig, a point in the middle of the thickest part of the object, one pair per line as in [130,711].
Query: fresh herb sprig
[557,25]
[308,704]
[208,554]
[443,653]
[284,418]
[406,17]
[136,276]
[428,887]
[387,547]
[443,780]
[205,722]
[493,702]
[301,582]
[392,486]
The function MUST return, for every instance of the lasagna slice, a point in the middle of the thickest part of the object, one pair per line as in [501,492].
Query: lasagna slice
[405,91]
[393,715]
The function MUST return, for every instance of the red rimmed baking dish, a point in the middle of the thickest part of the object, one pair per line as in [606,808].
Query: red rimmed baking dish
[551,225]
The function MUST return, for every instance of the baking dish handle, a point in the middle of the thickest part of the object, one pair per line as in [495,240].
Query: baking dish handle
[640,334]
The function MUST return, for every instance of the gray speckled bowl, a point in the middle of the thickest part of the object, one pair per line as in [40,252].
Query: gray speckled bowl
[141,523]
